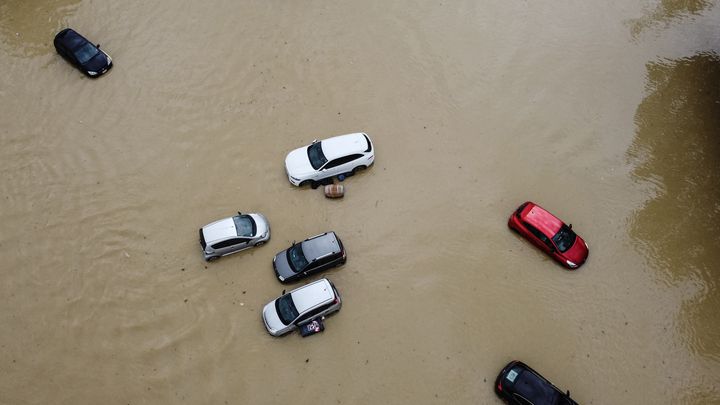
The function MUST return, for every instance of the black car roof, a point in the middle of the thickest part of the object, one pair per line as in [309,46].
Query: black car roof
[534,388]
[71,39]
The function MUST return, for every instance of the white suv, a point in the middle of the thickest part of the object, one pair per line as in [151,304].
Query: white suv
[339,155]
[300,306]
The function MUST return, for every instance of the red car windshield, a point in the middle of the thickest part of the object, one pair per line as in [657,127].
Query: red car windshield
[564,239]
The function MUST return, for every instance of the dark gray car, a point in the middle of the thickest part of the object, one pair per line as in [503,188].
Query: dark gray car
[310,256]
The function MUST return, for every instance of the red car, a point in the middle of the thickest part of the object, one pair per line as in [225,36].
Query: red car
[550,234]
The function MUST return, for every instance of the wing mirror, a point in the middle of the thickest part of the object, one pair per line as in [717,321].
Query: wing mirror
[293,243]
[570,226]
[239,213]
[283,293]
[568,393]
[314,141]
[98,46]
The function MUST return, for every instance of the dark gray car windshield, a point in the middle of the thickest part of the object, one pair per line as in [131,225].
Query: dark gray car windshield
[244,225]
[85,53]
[316,155]
[286,309]
[296,258]
[564,239]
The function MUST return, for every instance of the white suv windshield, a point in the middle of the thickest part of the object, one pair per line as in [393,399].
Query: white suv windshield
[316,155]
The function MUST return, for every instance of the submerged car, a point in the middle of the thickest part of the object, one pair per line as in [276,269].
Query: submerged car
[342,155]
[518,384]
[550,234]
[313,255]
[234,234]
[83,54]
[300,306]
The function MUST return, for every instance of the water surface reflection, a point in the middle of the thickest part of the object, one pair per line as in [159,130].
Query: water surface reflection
[677,147]
[667,11]
[27,27]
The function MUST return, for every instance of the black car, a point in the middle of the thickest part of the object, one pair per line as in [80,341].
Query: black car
[518,384]
[82,53]
[310,256]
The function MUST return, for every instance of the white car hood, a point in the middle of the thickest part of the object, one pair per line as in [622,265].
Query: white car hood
[297,163]
[272,320]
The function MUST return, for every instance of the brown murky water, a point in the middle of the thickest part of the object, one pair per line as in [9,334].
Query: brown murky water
[605,113]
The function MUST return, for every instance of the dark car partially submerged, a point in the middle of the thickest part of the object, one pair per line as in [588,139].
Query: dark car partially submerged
[310,256]
[81,53]
[518,384]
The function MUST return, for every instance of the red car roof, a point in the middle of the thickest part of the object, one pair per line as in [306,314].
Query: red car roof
[544,221]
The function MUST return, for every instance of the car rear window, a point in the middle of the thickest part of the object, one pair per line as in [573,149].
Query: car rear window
[519,210]
[202,240]
[369,145]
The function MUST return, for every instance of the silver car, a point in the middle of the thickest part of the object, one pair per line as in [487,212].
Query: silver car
[300,306]
[233,234]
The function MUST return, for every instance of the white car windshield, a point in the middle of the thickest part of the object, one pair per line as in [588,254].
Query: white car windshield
[316,155]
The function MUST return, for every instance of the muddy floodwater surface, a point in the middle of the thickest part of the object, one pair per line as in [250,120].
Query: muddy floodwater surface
[605,113]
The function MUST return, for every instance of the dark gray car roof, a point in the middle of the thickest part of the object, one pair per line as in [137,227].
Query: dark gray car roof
[320,246]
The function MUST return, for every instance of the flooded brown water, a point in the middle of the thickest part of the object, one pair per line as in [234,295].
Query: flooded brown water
[605,113]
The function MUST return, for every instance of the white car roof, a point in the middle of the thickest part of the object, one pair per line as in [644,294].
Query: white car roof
[344,145]
[312,295]
[222,229]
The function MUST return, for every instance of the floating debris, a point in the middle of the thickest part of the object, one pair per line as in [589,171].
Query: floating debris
[334,191]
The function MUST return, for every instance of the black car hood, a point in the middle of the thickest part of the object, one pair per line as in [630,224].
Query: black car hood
[97,63]
[282,267]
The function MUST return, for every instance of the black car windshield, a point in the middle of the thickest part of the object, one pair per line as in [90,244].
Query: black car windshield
[296,258]
[85,53]
[244,225]
[316,155]
[564,239]
[286,309]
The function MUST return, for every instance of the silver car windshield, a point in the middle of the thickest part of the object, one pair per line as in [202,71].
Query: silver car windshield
[316,155]
[244,225]
[85,53]
[296,258]
[286,309]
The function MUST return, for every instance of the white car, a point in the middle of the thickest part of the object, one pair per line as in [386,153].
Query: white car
[300,306]
[339,155]
[231,235]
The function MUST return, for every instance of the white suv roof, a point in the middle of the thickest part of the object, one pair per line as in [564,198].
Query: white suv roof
[312,295]
[344,145]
